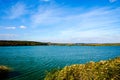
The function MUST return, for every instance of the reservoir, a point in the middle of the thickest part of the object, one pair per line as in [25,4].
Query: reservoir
[32,62]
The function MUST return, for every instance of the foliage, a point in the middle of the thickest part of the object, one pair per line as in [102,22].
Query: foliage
[21,43]
[103,70]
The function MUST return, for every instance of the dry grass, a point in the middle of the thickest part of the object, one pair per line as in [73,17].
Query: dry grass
[103,70]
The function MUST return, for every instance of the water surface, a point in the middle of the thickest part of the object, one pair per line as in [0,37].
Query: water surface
[31,62]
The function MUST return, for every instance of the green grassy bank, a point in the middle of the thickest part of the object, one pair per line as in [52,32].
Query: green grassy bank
[103,70]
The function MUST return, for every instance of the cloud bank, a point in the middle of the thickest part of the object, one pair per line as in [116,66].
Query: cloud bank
[97,24]
[48,21]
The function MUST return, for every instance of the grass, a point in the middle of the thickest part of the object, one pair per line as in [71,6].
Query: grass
[4,71]
[103,70]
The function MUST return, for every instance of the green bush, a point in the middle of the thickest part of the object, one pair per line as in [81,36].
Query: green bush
[103,70]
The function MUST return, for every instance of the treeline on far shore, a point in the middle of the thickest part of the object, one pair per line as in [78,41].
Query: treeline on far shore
[21,43]
[34,43]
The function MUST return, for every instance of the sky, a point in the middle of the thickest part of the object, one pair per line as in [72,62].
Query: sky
[63,21]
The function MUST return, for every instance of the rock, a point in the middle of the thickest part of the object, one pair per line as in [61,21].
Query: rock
[4,71]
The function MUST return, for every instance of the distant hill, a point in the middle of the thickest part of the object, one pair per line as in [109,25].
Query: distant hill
[20,43]
[98,44]
[86,44]
[34,43]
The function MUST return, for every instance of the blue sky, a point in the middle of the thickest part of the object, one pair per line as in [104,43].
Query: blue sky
[77,21]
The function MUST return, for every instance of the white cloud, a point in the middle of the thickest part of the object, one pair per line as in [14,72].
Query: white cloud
[98,17]
[93,24]
[10,27]
[23,27]
[43,18]
[45,0]
[8,35]
[112,1]
[13,28]
[47,16]
[16,11]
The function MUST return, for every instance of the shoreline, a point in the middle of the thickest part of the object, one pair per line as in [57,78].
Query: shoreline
[34,43]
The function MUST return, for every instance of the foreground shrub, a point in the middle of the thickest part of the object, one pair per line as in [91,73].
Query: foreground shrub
[103,70]
[4,71]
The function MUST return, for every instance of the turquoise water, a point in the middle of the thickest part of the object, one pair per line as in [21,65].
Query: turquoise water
[31,62]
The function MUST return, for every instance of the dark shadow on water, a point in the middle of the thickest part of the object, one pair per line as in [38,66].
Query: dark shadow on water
[5,76]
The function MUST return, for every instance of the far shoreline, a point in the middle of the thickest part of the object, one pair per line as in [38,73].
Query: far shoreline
[35,43]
